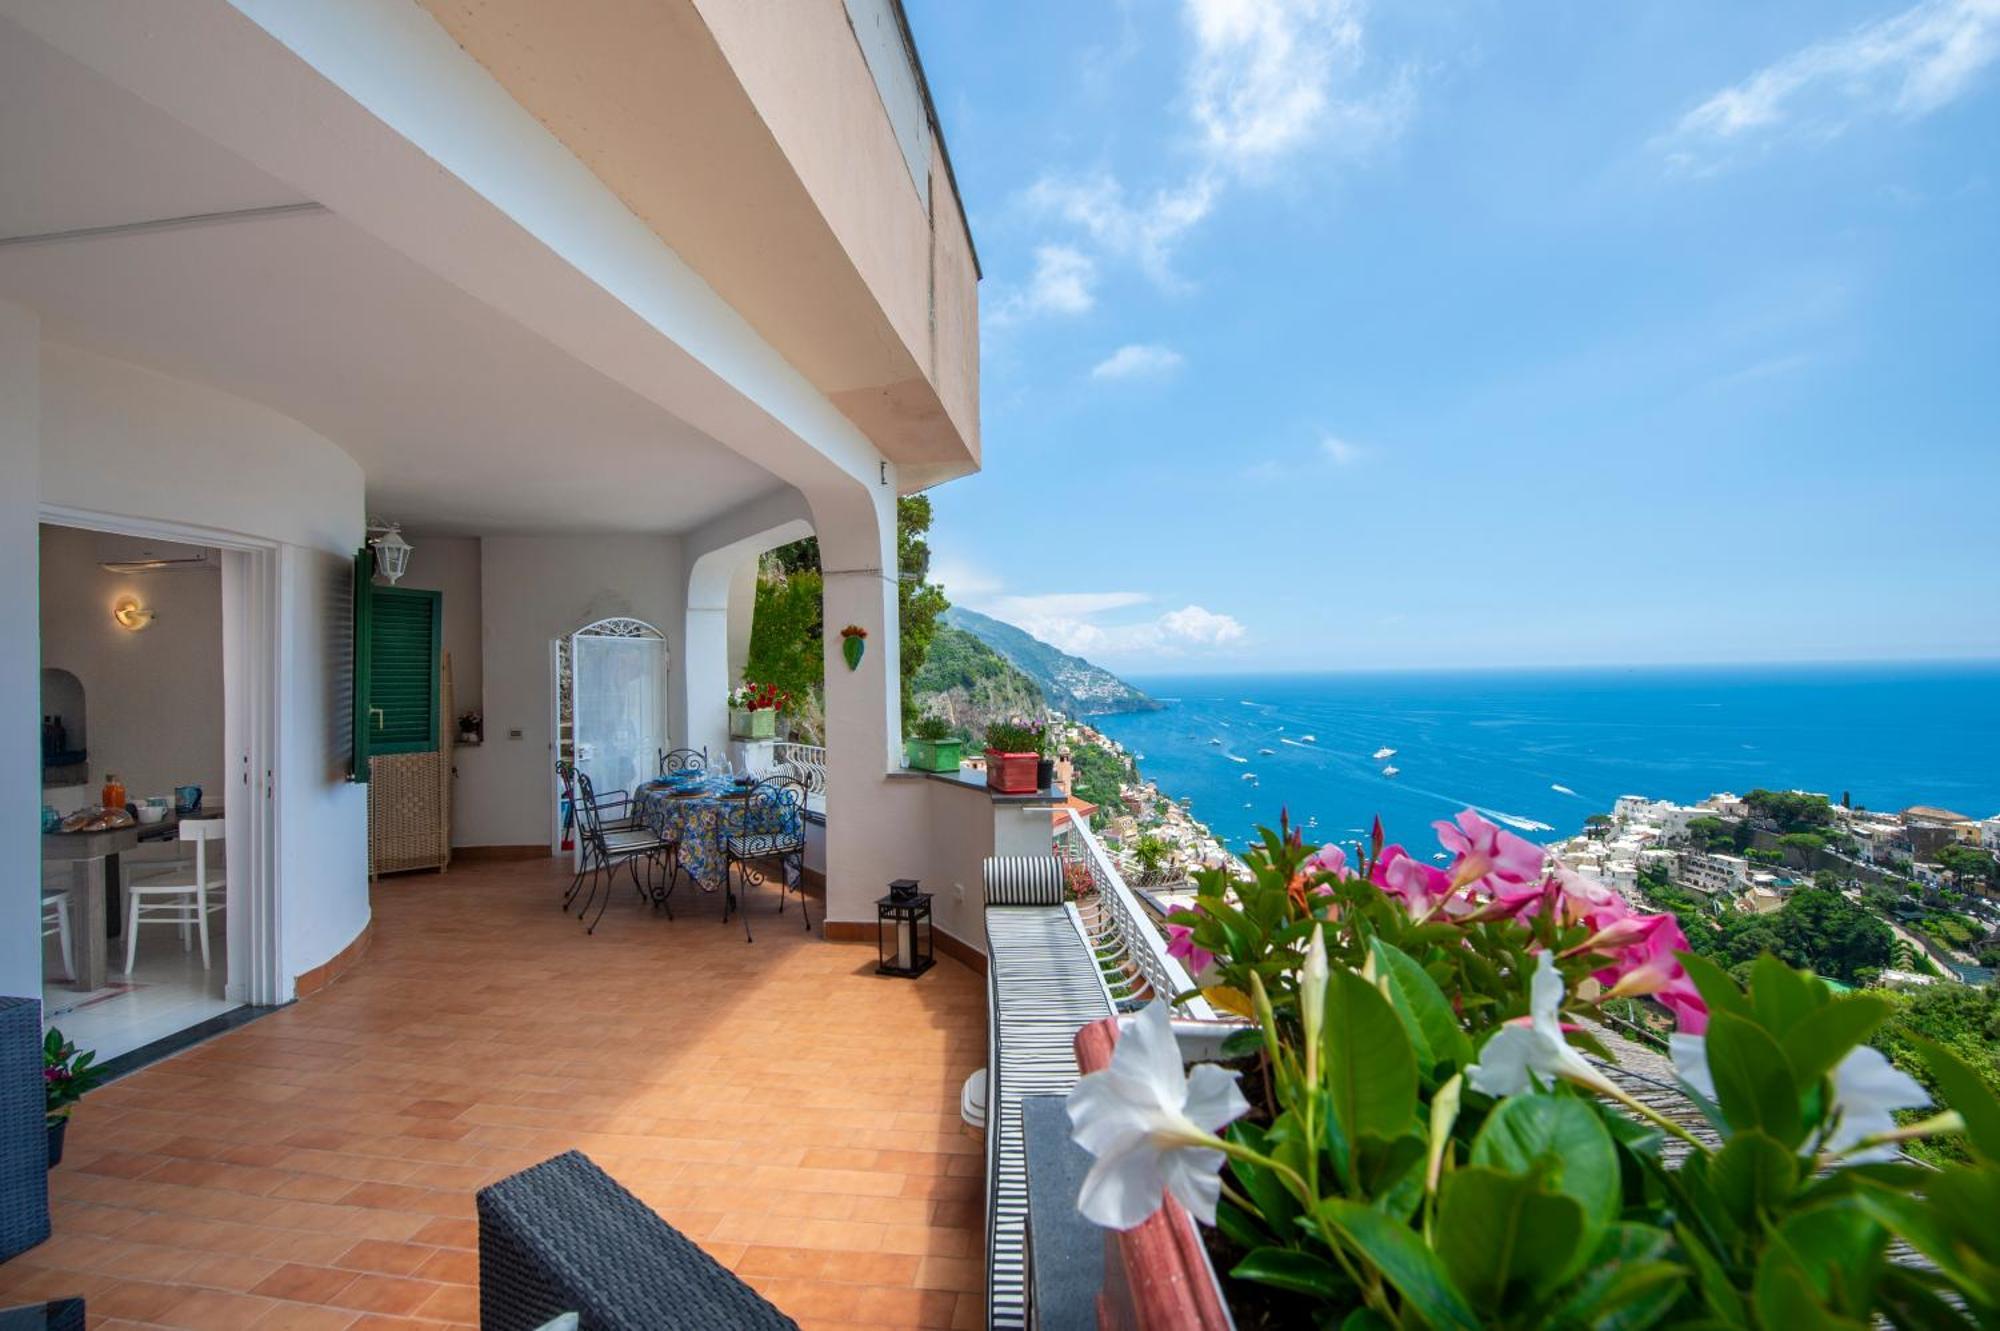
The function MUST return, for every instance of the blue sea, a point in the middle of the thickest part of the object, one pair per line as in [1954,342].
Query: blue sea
[1542,750]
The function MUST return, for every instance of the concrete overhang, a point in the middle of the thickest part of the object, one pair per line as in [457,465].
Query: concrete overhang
[754,141]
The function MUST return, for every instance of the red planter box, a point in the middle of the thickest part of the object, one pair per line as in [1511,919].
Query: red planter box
[1011,773]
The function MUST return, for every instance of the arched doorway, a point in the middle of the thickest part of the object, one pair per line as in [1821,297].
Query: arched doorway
[610,704]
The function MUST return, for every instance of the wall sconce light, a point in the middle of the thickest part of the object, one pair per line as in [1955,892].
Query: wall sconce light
[392,552]
[130,614]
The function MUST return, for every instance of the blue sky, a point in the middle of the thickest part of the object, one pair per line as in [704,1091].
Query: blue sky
[1325,335]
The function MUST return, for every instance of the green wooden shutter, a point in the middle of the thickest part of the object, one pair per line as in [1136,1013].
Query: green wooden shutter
[405,629]
[364,581]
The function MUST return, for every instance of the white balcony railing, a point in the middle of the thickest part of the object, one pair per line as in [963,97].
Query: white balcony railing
[1131,950]
[807,762]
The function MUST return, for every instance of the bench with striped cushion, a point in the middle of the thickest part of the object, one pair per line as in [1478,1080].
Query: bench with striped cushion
[1042,987]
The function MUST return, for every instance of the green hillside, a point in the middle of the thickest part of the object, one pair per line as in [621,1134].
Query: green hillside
[969,684]
[1071,684]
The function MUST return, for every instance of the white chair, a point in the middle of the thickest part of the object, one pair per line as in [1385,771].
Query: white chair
[185,894]
[55,920]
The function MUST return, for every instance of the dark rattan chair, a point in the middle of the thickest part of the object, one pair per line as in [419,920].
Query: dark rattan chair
[766,827]
[562,1236]
[24,1134]
[675,761]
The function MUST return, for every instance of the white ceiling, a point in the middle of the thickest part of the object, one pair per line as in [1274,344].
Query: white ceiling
[463,421]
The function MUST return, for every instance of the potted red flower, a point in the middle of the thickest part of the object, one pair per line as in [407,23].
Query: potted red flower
[1013,751]
[753,710]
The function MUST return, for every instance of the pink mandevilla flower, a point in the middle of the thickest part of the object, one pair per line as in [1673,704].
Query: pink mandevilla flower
[1491,860]
[1421,888]
[1181,945]
[1651,965]
[1329,859]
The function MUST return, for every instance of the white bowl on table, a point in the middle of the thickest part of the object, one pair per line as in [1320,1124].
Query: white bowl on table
[154,810]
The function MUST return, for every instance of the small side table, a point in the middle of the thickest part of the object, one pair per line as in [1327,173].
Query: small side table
[903,935]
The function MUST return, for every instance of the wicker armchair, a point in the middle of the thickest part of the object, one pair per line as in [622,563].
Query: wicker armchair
[562,1236]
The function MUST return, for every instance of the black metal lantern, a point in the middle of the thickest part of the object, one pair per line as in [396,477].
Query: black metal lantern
[903,931]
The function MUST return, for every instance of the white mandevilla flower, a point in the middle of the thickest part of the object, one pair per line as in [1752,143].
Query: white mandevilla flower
[1519,1053]
[1867,1090]
[1150,1123]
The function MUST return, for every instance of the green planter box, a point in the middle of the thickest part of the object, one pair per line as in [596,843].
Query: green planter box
[933,755]
[760,724]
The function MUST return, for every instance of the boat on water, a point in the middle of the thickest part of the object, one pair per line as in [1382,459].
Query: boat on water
[1265,753]
[1391,771]
[1216,742]
[1384,752]
[1249,776]
[1309,739]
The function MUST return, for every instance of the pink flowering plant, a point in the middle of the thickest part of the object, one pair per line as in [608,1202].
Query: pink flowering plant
[1420,1128]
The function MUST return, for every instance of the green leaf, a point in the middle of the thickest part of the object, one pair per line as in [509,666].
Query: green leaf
[1786,1300]
[1501,1237]
[1259,1184]
[1723,1299]
[1781,996]
[1426,1014]
[1242,1228]
[1713,983]
[1405,1262]
[1241,1044]
[1627,1285]
[1829,1032]
[1839,1249]
[1560,1140]
[1752,1176]
[1289,1268]
[1753,1080]
[1962,1089]
[1908,1302]
[1367,1066]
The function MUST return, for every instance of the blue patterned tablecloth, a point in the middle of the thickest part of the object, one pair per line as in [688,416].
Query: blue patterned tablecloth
[699,822]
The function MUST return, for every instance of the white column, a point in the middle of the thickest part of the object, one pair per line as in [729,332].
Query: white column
[20,653]
[874,828]
[742,610]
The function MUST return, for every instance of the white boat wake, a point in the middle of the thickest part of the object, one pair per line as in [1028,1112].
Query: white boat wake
[1563,790]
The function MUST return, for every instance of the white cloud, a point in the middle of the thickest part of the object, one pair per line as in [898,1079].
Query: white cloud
[1091,624]
[1260,80]
[1341,452]
[1263,82]
[1908,65]
[1063,605]
[1137,361]
[1064,282]
[962,582]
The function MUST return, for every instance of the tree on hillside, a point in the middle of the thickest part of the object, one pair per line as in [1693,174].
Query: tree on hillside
[1712,834]
[1789,810]
[919,601]
[1967,865]
[787,632]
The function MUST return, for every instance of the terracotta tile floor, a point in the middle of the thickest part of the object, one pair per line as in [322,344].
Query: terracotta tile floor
[779,1103]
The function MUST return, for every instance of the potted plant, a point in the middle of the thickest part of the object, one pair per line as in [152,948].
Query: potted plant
[753,710]
[932,747]
[1410,1133]
[1013,751]
[66,1075]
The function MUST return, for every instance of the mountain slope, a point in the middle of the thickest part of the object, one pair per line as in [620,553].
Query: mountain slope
[1070,683]
[969,684]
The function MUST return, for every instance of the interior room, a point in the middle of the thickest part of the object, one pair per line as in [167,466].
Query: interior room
[132,706]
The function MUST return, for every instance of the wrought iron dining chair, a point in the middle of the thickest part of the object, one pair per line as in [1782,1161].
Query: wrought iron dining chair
[675,761]
[605,851]
[766,827]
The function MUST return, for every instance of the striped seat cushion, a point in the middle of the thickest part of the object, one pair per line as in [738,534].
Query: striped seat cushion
[1024,880]
[1043,986]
